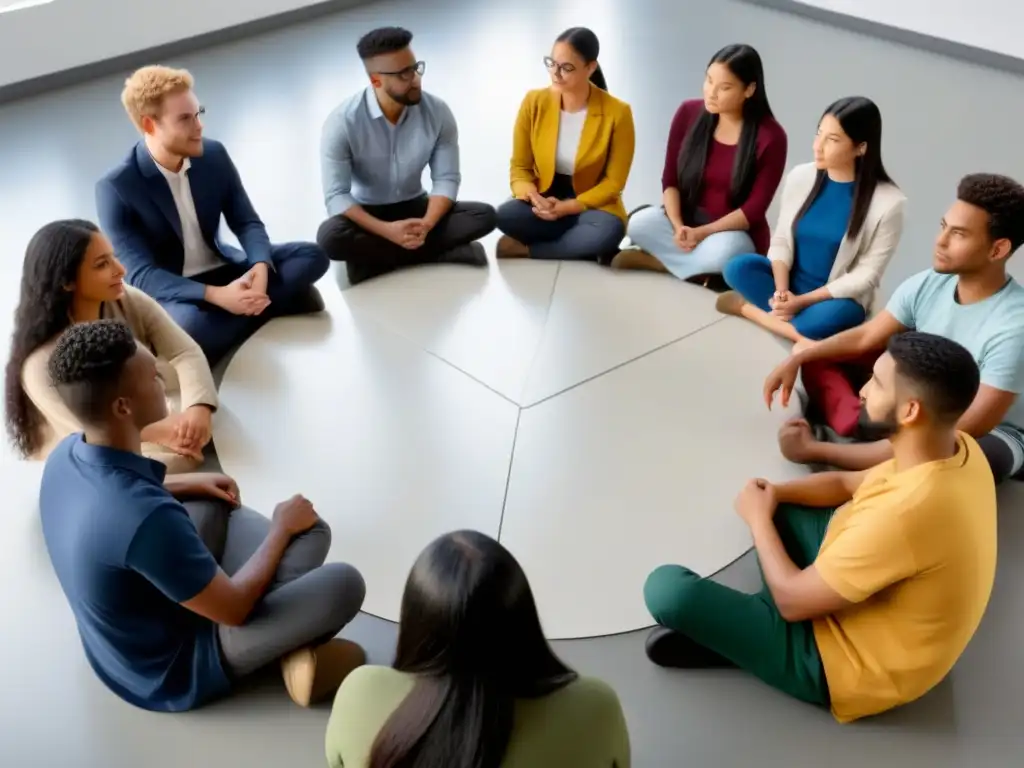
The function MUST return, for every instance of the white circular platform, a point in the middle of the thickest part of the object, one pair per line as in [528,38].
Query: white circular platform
[634,410]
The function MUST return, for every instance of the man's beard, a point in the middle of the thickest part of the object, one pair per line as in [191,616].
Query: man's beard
[870,430]
[408,99]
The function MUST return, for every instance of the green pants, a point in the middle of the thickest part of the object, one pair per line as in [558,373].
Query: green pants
[748,629]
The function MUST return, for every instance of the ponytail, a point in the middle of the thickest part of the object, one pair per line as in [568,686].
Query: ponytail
[598,78]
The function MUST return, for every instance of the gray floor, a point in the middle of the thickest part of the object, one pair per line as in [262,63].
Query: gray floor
[266,98]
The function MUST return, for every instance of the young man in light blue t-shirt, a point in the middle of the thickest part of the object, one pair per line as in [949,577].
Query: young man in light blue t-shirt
[967,297]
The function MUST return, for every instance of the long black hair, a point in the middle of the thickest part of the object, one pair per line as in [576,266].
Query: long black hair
[586,44]
[745,63]
[470,633]
[52,259]
[861,120]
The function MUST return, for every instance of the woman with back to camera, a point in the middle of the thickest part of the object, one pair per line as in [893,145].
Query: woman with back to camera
[839,224]
[571,153]
[474,683]
[71,275]
[725,158]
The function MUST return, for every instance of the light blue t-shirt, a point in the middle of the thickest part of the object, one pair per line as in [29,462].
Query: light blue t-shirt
[992,330]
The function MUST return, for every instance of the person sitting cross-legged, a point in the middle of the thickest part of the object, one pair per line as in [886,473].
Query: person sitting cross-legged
[162,206]
[176,603]
[868,606]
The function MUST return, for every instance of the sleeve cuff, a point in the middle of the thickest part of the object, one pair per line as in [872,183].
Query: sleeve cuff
[447,189]
[338,204]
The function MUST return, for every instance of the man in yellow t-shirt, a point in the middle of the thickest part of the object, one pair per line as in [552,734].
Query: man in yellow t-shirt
[869,607]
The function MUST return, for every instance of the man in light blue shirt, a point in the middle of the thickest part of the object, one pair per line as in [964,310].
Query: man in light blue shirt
[373,151]
[967,297]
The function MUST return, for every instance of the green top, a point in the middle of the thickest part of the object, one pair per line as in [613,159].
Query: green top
[580,725]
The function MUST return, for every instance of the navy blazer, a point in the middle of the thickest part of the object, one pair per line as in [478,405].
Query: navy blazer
[137,212]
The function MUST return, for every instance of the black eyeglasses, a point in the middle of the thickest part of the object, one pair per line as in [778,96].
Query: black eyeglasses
[408,73]
[554,66]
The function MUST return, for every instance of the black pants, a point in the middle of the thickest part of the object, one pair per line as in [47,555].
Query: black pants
[366,255]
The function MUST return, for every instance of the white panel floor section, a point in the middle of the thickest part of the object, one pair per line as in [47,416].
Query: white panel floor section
[393,446]
[487,323]
[639,468]
[385,411]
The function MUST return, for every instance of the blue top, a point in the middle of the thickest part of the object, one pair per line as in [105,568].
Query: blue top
[365,160]
[819,233]
[992,330]
[126,554]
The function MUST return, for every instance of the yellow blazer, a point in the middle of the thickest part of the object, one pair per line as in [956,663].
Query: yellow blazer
[603,159]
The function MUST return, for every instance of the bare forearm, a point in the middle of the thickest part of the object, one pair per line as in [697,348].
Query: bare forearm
[851,343]
[813,297]
[673,206]
[437,207]
[824,489]
[853,457]
[252,580]
[778,569]
[358,216]
[780,271]
[737,220]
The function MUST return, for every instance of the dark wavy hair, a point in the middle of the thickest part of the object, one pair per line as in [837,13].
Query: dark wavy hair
[470,634]
[52,260]
[1002,199]
[745,63]
[586,44]
[861,120]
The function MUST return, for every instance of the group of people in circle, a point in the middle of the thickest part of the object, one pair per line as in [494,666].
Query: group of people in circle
[876,574]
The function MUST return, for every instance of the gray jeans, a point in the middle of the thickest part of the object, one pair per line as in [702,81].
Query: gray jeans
[307,603]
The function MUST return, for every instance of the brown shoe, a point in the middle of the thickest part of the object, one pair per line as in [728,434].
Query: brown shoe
[313,674]
[730,303]
[634,258]
[511,249]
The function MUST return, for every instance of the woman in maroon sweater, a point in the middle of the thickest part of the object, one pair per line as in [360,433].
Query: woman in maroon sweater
[725,159]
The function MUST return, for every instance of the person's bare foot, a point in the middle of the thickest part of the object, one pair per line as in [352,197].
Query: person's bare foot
[634,258]
[730,303]
[313,674]
[509,248]
[797,441]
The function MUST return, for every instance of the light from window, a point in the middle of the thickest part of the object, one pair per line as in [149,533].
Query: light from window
[6,6]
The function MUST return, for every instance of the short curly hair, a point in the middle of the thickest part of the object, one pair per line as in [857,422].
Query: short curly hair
[1002,199]
[144,92]
[940,370]
[87,364]
[383,40]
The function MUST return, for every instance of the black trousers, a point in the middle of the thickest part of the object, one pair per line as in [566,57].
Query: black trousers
[366,255]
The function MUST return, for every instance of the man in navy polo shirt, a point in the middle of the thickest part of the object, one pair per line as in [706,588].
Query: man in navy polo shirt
[170,617]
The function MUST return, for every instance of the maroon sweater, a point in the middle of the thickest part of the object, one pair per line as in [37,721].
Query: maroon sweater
[714,194]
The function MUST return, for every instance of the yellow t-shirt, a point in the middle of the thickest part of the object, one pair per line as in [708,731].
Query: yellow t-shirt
[916,552]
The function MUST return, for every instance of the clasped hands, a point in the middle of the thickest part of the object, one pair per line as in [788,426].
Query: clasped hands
[551,208]
[245,296]
[408,233]
[757,502]
[185,433]
[786,305]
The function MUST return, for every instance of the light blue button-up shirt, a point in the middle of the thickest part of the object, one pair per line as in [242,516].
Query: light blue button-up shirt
[365,160]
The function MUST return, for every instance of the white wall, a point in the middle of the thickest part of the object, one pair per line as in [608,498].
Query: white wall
[43,39]
[994,25]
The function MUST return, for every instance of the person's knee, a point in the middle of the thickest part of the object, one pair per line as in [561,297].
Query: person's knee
[721,248]
[643,225]
[737,268]
[301,263]
[345,589]
[332,236]
[485,220]
[510,217]
[668,592]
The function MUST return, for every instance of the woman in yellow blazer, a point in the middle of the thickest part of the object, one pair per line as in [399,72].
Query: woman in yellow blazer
[571,154]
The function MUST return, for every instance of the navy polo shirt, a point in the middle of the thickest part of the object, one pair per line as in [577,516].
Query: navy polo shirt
[126,554]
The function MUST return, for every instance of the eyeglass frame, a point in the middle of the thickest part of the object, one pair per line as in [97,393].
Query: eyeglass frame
[406,75]
[563,69]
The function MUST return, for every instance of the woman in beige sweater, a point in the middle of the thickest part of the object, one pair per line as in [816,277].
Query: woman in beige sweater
[72,276]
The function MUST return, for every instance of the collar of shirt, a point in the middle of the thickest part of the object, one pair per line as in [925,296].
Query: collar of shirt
[373,107]
[102,456]
[185,165]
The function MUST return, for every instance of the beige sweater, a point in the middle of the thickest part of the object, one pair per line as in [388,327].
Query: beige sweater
[861,261]
[180,360]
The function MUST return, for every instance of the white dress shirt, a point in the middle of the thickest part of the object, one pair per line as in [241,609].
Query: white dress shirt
[199,257]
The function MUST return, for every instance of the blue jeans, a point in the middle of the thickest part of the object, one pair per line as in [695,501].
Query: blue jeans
[650,230]
[751,276]
[591,236]
[296,267]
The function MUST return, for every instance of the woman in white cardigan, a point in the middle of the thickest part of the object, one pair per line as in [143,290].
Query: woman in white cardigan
[839,225]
